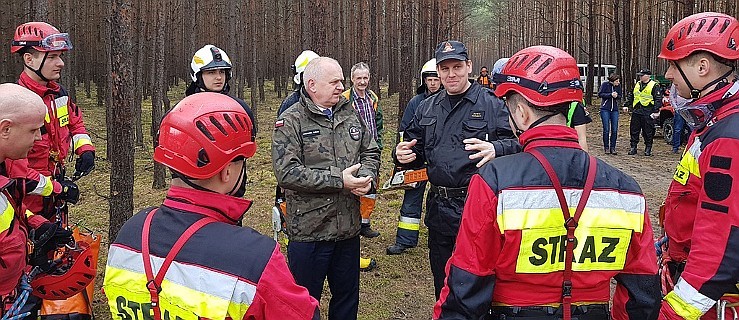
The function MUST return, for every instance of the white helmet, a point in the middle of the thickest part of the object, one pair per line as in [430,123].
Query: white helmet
[209,57]
[300,63]
[429,69]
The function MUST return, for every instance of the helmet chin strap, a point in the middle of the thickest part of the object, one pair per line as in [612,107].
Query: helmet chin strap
[696,93]
[38,71]
[539,121]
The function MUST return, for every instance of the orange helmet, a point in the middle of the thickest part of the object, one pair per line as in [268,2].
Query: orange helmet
[71,274]
[712,32]
[203,133]
[544,75]
[40,36]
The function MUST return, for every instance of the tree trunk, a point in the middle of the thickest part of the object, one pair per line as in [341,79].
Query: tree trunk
[157,109]
[120,127]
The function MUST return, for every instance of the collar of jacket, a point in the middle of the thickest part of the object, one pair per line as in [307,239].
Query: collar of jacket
[51,87]
[315,110]
[549,136]
[4,180]
[472,94]
[223,208]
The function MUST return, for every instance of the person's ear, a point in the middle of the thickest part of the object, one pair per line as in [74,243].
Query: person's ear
[704,66]
[227,173]
[6,126]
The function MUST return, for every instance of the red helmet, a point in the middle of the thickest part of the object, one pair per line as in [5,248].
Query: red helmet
[40,36]
[74,272]
[713,32]
[203,133]
[544,75]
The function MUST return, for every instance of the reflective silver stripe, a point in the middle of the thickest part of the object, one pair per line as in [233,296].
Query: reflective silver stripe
[224,286]
[695,148]
[690,295]
[410,220]
[544,199]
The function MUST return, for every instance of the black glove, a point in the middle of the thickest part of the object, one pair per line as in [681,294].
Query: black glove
[48,237]
[85,164]
[70,192]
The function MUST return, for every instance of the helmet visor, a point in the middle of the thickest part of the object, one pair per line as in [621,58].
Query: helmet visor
[696,116]
[56,42]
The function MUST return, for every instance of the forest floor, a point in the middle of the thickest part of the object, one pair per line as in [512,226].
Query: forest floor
[401,286]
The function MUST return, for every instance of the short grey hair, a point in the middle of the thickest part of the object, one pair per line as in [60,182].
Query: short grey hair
[314,69]
[360,66]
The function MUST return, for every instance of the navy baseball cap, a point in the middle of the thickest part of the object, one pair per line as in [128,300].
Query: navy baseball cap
[644,72]
[451,50]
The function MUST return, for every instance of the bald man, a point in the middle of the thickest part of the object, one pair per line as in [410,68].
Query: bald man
[22,115]
[325,158]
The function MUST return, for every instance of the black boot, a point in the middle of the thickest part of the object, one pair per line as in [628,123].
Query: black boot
[648,151]
[632,151]
[367,231]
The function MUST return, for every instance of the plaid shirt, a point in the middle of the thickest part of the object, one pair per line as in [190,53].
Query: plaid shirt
[363,106]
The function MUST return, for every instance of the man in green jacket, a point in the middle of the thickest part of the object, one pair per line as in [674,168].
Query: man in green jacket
[326,159]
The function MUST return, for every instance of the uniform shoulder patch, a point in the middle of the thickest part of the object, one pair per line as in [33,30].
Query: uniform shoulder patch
[279,123]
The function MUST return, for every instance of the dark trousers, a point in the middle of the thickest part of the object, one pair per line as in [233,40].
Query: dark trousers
[410,216]
[610,128]
[678,124]
[440,250]
[644,124]
[312,262]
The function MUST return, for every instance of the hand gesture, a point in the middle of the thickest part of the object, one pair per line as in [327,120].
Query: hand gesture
[353,183]
[404,153]
[485,149]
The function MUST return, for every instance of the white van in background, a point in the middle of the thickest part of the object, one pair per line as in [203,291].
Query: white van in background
[602,71]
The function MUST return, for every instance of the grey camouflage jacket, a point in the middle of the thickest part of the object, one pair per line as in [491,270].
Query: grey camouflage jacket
[309,152]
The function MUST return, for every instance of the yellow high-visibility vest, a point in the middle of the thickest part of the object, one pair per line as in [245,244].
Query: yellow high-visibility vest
[644,97]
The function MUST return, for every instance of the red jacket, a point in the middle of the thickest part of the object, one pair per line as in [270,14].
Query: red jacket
[701,213]
[14,224]
[509,249]
[63,129]
[222,272]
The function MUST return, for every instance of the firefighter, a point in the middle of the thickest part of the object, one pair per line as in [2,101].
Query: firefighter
[210,71]
[544,231]
[453,132]
[21,117]
[701,218]
[409,222]
[41,47]
[206,265]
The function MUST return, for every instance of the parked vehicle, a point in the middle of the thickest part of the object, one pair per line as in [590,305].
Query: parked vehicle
[666,115]
[601,74]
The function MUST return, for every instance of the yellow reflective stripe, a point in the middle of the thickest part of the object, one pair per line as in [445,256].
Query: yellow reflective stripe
[207,293]
[527,209]
[542,250]
[689,163]
[62,111]
[44,187]
[408,226]
[29,213]
[81,140]
[7,215]
[687,302]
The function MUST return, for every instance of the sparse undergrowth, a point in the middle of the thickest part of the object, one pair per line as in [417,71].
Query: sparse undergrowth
[401,287]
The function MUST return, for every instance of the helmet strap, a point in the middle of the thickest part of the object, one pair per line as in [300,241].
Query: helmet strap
[38,71]
[696,93]
[189,182]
